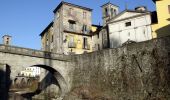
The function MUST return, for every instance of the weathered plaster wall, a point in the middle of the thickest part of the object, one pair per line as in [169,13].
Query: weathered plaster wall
[134,72]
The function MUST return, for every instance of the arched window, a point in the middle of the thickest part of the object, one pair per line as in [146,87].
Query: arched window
[106,12]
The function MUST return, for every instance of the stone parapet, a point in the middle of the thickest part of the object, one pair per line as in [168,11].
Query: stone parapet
[33,52]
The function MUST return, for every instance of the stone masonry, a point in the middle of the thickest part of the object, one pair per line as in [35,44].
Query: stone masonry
[137,71]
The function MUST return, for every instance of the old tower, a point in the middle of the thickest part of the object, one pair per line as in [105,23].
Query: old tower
[7,39]
[109,11]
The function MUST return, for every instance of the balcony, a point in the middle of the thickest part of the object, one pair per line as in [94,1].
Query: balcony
[72,45]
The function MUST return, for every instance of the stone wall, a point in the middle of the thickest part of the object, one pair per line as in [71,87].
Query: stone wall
[137,71]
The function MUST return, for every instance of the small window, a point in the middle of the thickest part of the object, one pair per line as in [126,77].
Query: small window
[106,12]
[7,42]
[84,43]
[169,8]
[98,35]
[71,24]
[98,46]
[84,28]
[47,41]
[128,24]
[84,15]
[52,39]
[113,12]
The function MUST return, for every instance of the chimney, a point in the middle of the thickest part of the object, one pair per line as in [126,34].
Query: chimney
[7,40]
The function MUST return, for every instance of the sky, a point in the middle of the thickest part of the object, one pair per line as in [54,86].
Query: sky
[24,20]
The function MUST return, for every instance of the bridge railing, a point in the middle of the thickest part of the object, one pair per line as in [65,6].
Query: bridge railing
[32,52]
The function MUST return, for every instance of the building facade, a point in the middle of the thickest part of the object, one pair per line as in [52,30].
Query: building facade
[69,33]
[162,27]
[31,72]
[129,25]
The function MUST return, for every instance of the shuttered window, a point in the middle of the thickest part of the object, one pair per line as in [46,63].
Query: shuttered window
[169,8]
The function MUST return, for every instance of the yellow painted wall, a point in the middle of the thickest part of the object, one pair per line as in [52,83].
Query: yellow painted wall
[93,28]
[78,39]
[163,27]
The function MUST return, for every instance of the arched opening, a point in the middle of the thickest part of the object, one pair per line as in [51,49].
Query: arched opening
[23,83]
[28,82]
[57,78]
[15,81]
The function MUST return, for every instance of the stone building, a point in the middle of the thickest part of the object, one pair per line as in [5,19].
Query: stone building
[128,25]
[31,72]
[69,32]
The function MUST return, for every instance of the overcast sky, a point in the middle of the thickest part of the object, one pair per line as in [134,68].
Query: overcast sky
[24,20]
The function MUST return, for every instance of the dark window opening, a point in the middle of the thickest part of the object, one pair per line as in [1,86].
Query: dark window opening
[98,35]
[113,12]
[128,24]
[98,46]
[84,28]
[106,12]
[84,43]
[52,39]
[7,42]
[71,24]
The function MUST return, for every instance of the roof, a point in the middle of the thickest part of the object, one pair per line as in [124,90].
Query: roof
[70,4]
[109,3]
[46,29]
[127,10]
[155,0]
[7,36]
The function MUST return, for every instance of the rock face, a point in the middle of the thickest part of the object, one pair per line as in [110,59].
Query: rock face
[138,71]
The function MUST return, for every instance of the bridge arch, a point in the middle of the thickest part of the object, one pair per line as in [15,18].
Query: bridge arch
[59,78]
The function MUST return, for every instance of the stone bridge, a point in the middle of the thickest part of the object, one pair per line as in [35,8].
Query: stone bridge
[137,71]
[19,58]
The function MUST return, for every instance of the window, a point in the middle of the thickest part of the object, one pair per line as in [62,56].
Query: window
[71,24]
[84,15]
[84,28]
[113,12]
[98,35]
[52,39]
[169,8]
[106,12]
[84,43]
[98,46]
[71,43]
[7,42]
[128,24]
[47,41]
